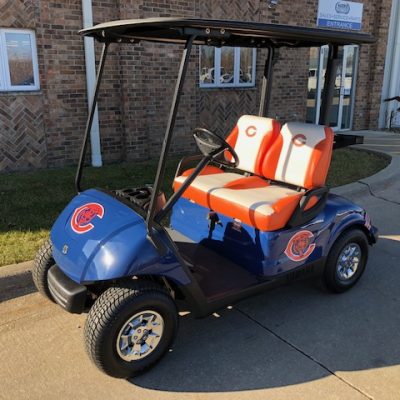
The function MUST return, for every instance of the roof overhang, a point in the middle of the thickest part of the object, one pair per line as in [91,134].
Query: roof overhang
[220,33]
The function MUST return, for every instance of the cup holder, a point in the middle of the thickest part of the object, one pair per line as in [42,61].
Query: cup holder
[141,197]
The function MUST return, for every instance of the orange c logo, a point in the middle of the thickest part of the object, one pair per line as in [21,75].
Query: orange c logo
[299,140]
[251,131]
[300,246]
[81,220]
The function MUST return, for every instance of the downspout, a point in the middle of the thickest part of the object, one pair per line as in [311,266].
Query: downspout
[90,63]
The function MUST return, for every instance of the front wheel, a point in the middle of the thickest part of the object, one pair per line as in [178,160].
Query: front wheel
[130,327]
[43,262]
[346,261]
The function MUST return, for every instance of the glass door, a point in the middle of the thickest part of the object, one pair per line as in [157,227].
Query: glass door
[342,102]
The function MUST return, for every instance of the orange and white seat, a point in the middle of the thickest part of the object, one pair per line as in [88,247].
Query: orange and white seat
[298,157]
[251,138]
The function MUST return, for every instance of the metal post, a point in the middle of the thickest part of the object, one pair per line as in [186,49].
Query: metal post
[90,64]
[169,132]
[329,84]
[90,118]
[266,83]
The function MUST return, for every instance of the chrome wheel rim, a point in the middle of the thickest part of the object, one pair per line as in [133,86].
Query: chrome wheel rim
[348,261]
[140,335]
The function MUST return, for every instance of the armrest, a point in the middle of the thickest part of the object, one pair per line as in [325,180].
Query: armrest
[307,209]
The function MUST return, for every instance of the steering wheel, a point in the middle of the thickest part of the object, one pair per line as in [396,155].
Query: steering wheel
[211,144]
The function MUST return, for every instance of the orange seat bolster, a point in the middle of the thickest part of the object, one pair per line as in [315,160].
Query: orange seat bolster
[247,182]
[207,170]
[318,166]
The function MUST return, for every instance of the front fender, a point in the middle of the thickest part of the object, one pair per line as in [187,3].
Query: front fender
[110,245]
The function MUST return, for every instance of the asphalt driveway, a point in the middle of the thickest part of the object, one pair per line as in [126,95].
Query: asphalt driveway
[296,342]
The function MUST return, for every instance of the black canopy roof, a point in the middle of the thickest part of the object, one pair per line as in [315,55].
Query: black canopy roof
[220,32]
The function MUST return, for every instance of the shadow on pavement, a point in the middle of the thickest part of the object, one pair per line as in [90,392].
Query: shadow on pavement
[15,286]
[291,335]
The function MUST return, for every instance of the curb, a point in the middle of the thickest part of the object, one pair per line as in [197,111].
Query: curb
[381,180]
[16,269]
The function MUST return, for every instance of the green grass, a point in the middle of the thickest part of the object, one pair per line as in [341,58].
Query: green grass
[31,201]
[350,165]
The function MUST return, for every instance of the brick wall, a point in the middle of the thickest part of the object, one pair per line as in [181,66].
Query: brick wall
[44,129]
[22,129]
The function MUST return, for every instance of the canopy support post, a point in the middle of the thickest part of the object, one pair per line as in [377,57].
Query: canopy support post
[329,84]
[266,87]
[168,133]
[89,121]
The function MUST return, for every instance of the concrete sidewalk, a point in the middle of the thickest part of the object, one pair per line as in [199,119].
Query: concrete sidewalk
[388,142]
[296,342]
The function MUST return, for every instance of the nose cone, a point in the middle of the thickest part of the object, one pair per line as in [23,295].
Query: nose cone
[98,237]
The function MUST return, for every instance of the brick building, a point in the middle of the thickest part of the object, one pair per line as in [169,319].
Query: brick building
[43,105]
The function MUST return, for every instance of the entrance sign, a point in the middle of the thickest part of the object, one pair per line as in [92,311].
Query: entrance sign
[340,14]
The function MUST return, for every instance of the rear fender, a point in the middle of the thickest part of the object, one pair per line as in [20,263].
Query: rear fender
[353,220]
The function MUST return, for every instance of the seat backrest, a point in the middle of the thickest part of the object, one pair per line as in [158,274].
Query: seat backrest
[251,138]
[300,155]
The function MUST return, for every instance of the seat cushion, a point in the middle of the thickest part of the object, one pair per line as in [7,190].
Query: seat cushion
[249,199]
[201,188]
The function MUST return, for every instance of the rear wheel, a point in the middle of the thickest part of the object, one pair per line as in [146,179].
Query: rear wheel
[130,327]
[43,262]
[346,261]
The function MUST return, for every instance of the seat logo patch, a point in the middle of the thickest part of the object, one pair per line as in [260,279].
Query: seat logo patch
[300,246]
[251,131]
[299,140]
[81,221]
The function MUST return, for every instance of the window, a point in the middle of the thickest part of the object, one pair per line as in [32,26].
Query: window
[227,67]
[18,60]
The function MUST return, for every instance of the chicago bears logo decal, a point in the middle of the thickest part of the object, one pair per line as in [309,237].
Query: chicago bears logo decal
[251,131]
[300,246]
[81,221]
[299,140]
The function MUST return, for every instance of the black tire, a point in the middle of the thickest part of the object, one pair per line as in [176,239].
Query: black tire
[331,276]
[110,313]
[43,262]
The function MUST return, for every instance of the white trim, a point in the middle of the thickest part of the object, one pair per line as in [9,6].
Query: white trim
[2,67]
[321,53]
[391,79]
[236,68]
[5,76]
[353,86]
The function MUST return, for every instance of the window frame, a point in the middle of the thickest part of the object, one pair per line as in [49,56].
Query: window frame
[236,68]
[5,76]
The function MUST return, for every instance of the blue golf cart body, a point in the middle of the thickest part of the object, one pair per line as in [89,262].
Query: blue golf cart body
[135,254]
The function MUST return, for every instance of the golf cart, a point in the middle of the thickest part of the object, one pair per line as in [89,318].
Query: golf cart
[248,213]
